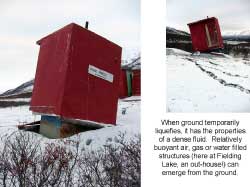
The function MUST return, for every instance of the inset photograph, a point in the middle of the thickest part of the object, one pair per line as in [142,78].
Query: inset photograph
[208,56]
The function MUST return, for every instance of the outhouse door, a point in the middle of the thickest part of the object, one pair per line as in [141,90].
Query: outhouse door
[211,35]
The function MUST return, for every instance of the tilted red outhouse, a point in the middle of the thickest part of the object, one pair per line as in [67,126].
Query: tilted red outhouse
[77,76]
[206,35]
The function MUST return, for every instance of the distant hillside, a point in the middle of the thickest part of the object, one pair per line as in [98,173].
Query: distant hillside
[178,39]
[237,36]
[173,35]
[134,63]
[22,91]
[171,30]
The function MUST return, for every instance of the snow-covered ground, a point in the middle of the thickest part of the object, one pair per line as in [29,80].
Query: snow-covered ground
[16,99]
[128,122]
[234,42]
[207,83]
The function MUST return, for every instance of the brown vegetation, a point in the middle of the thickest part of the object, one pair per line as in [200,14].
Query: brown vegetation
[25,162]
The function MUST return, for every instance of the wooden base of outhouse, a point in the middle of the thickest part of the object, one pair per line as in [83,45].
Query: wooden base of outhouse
[56,127]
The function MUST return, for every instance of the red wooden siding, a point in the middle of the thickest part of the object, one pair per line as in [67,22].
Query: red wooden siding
[136,82]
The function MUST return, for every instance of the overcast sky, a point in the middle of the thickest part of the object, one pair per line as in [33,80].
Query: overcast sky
[233,15]
[24,22]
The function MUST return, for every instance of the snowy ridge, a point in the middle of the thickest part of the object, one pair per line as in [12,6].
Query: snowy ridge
[170,30]
[133,64]
[237,33]
[26,87]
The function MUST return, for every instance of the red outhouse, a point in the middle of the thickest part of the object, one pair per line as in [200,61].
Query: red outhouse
[206,35]
[136,82]
[77,76]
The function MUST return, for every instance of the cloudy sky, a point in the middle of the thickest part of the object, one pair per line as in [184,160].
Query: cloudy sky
[24,22]
[233,15]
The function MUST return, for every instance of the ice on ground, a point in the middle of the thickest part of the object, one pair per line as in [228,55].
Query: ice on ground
[128,122]
[207,83]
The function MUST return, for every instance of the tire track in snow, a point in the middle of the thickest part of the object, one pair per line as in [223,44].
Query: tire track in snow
[214,64]
[226,73]
[221,81]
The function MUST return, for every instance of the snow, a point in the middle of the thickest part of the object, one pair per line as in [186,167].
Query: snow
[12,116]
[132,98]
[234,42]
[128,123]
[134,64]
[16,99]
[173,51]
[207,83]
[28,89]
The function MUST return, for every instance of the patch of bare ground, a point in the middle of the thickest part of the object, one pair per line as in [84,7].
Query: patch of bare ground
[22,95]
[4,104]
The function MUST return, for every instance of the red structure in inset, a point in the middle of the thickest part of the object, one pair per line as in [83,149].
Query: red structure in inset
[136,82]
[77,76]
[123,87]
[206,35]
